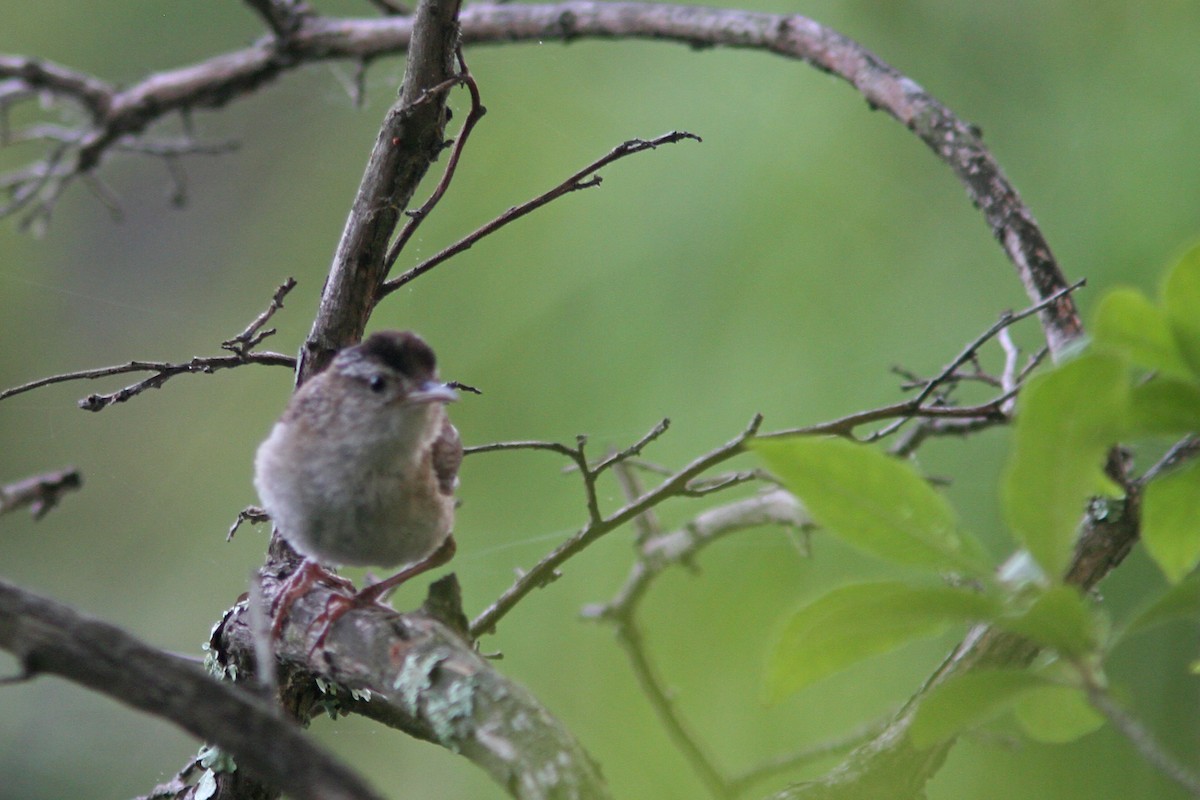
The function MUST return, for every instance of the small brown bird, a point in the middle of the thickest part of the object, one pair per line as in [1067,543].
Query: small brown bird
[362,466]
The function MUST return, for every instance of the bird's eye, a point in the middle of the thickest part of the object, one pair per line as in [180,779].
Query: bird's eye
[377,383]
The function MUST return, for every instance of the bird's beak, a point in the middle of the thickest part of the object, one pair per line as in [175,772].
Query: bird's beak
[431,392]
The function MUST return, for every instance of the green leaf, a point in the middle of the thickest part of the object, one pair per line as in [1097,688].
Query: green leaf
[1171,521]
[1056,714]
[967,701]
[1067,420]
[1181,298]
[1181,600]
[854,622]
[1060,618]
[1128,322]
[875,502]
[1165,406]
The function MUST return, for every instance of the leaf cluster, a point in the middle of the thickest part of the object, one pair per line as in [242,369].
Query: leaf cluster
[1137,379]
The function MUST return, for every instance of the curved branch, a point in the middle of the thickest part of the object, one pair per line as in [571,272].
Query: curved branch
[214,82]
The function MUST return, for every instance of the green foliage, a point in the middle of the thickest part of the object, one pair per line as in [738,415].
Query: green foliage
[1139,377]
[1059,618]
[876,503]
[1067,421]
[1181,303]
[1129,322]
[854,622]
[1046,710]
[1161,345]
[1171,522]
[1179,601]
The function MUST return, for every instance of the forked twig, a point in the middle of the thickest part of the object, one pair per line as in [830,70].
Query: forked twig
[583,179]
[598,524]
[239,346]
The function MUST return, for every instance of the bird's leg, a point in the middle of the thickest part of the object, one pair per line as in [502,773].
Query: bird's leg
[373,595]
[297,585]
[376,592]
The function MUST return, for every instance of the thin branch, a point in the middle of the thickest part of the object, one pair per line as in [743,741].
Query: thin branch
[1138,735]
[40,492]
[790,761]
[634,449]
[283,17]
[908,409]
[546,569]
[41,75]
[240,346]
[682,545]
[647,524]
[585,178]
[682,483]
[658,552]
[630,639]
[164,370]
[1181,452]
[971,350]
[251,337]
[970,354]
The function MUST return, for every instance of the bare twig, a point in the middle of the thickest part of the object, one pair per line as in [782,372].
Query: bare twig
[283,17]
[790,761]
[251,514]
[583,179]
[598,525]
[40,492]
[251,337]
[656,553]
[680,546]
[969,354]
[164,370]
[1138,735]
[630,638]
[908,409]
[632,488]
[240,346]
[1181,452]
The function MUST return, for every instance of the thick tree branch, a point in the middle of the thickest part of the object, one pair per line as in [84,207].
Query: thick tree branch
[47,637]
[426,679]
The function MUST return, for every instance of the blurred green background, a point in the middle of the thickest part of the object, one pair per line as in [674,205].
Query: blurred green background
[782,266]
